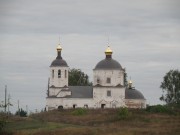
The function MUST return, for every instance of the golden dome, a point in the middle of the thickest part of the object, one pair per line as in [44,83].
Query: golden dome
[130,82]
[108,51]
[59,48]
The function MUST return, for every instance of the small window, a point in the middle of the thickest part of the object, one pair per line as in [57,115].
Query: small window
[98,81]
[103,106]
[85,106]
[52,73]
[109,93]
[65,74]
[113,105]
[59,73]
[108,80]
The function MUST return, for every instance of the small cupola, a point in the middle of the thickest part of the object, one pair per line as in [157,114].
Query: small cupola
[132,93]
[130,84]
[108,52]
[108,63]
[59,49]
[59,61]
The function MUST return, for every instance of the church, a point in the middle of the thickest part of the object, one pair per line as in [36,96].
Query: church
[108,89]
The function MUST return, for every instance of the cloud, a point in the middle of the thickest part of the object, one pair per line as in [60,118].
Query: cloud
[144,37]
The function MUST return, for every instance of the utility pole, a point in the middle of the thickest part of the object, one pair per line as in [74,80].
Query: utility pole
[5,104]
[18,108]
[8,102]
[48,87]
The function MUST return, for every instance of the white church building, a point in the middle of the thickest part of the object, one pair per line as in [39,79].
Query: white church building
[108,90]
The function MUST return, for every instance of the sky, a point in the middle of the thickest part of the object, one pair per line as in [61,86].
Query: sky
[144,37]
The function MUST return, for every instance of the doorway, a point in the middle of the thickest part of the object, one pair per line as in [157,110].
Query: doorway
[60,107]
[103,105]
[74,106]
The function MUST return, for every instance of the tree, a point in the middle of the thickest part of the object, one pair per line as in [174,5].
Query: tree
[21,113]
[171,87]
[1,104]
[78,78]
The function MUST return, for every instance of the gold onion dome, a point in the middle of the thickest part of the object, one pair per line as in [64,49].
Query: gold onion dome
[108,63]
[108,51]
[59,48]
[59,61]
[130,82]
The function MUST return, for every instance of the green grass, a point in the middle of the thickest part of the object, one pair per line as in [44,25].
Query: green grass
[95,122]
[79,112]
[32,126]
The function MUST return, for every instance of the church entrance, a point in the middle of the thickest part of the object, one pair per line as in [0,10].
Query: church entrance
[60,107]
[74,106]
[103,105]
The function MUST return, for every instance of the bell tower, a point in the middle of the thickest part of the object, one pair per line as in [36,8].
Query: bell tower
[58,70]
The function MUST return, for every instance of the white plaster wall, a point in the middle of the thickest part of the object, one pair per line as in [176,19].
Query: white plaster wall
[54,91]
[53,103]
[64,93]
[59,82]
[117,77]
[117,96]
[135,103]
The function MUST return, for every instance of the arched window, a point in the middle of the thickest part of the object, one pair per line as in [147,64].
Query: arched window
[108,93]
[65,74]
[59,73]
[98,80]
[108,80]
[52,73]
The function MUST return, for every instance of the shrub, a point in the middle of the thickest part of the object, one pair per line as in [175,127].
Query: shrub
[79,111]
[2,125]
[21,113]
[123,113]
[159,109]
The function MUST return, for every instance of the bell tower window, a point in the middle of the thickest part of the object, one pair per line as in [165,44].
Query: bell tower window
[65,73]
[59,73]
[52,73]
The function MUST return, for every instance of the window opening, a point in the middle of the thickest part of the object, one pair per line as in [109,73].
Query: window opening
[108,80]
[59,73]
[109,93]
[85,106]
[103,106]
[98,81]
[52,73]
[65,73]
[74,106]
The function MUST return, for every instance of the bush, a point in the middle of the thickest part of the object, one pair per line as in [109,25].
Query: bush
[2,125]
[79,111]
[123,113]
[21,113]
[159,109]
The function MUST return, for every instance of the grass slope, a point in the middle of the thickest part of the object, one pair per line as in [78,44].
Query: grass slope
[94,122]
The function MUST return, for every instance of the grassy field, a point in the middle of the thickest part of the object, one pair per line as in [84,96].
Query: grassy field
[94,122]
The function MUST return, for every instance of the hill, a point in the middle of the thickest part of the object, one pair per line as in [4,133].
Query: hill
[94,122]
